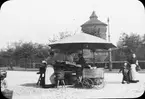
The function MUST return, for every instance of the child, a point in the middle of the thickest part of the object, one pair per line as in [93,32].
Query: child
[124,71]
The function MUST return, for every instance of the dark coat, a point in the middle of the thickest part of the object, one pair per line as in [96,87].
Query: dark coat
[81,61]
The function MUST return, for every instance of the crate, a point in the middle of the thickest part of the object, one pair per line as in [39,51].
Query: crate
[93,73]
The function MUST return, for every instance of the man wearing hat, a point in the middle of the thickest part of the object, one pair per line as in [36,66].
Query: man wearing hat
[82,63]
[42,73]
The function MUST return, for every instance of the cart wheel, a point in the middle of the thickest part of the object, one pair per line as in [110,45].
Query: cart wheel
[77,83]
[87,83]
[99,82]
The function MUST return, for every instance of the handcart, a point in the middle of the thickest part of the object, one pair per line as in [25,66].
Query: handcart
[93,78]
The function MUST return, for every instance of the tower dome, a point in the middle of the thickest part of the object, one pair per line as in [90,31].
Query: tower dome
[94,26]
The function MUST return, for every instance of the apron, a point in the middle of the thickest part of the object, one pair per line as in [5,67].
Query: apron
[133,71]
[49,75]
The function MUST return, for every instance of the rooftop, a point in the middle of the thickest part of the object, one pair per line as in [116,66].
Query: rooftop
[93,20]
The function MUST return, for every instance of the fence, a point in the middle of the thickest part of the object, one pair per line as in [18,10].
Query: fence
[105,64]
[116,64]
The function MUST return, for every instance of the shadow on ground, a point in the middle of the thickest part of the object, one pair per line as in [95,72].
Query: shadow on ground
[37,86]
[30,85]
[113,82]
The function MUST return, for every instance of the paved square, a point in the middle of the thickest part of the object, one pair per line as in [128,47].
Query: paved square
[23,83]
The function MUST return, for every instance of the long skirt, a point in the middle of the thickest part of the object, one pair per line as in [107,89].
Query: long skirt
[133,71]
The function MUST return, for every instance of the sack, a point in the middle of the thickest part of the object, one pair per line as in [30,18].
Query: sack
[138,68]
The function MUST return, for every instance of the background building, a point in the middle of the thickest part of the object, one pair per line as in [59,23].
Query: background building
[95,27]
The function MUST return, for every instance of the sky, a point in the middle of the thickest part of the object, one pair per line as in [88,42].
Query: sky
[39,20]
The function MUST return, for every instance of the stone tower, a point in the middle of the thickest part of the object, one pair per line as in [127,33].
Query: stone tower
[95,27]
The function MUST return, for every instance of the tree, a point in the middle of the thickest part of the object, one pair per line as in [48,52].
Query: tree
[42,51]
[25,53]
[7,57]
[61,35]
[143,39]
[141,50]
[133,43]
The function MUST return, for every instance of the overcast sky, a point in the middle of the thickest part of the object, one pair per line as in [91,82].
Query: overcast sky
[38,20]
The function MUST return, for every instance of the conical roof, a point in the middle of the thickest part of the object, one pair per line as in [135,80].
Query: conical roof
[93,15]
[93,20]
[81,40]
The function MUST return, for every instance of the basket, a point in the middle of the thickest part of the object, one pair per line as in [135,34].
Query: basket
[7,93]
[93,73]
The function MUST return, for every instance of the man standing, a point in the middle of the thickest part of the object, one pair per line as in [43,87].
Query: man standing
[82,64]
[42,73]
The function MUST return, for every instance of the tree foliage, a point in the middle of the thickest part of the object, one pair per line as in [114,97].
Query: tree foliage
[61,35]
[26,53]
[130,43]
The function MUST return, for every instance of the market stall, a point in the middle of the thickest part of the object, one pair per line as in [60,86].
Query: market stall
[79,42]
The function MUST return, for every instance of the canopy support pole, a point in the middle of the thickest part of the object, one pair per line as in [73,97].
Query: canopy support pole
[93,58]
[110,60]
[110,56]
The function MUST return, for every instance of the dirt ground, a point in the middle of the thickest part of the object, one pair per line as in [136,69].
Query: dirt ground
[23,83]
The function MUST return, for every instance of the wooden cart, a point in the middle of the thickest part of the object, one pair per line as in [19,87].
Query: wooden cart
[93,78]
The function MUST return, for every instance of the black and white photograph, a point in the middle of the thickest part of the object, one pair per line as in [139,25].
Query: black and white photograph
[72,49]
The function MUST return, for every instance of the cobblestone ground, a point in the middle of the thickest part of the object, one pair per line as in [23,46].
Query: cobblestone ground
[24,86]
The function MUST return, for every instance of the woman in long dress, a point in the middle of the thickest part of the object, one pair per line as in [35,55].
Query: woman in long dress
[132,72]
[49,73]
[49,76]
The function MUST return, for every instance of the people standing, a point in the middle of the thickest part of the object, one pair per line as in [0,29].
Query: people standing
[81,61]
[49,77]
[132,72]
[49,73]
[50,60]
[42,73]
